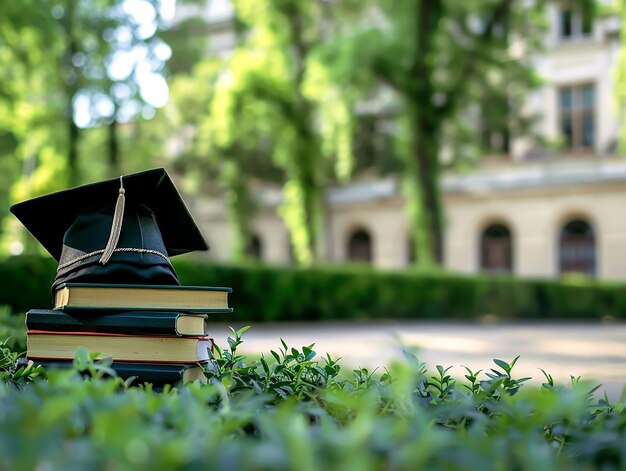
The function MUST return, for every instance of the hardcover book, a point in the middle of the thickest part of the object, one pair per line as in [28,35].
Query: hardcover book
[123,348]
[124,322]
[202,299]
[154,373]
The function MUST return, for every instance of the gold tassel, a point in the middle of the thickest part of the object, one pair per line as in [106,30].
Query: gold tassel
[116,226]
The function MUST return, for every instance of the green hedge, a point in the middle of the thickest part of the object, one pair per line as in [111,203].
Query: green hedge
[293,410]
[272,294]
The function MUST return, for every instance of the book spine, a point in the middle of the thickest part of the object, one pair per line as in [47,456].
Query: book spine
[122,323]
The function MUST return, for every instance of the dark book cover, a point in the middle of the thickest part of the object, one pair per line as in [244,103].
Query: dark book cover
[155,373]
[136,286]
[122,322]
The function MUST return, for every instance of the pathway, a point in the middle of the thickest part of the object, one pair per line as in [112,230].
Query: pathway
[592,350]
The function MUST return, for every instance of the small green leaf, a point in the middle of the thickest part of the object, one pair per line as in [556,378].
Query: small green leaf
[241,331]
[275,355]
[81,359]
[502,364]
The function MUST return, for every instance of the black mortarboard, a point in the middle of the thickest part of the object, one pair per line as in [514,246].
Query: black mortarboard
[97,239]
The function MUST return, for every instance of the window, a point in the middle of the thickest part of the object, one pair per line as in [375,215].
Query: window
[577,248]
[254,248]
[360,246]
[577,117]
[496,249]
[574,23]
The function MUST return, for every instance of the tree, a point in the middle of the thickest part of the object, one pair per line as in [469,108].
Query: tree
[56,60]
[119,57]
[443,59]
[185,127]
[31,107]
[619,8]
[275,95]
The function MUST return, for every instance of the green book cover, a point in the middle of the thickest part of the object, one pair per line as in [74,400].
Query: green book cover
[121,322]
[154,373]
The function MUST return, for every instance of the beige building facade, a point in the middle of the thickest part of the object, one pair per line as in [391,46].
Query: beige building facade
[540,211]
[535,203]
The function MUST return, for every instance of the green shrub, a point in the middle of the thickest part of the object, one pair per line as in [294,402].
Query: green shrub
[13,329]
[263,293]
[25,282]
[295,411]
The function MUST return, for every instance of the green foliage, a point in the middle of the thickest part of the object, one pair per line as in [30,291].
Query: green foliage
[419,53]
[342,293]
[620,71]
[295,411]
[26,282]
[31,106]
[15,370]
[276,95]
[231,168]
[56,80]
[13,330]
[273,294]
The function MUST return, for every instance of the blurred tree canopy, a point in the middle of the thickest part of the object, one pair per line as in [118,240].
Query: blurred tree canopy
[300,68]
[275,97]
[70,70]
[619,7]
[310,92]
[458,73]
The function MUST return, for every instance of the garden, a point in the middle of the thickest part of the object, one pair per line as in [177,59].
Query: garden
[295,408]
[245,99]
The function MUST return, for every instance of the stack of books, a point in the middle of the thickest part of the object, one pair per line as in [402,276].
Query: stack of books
[157,334]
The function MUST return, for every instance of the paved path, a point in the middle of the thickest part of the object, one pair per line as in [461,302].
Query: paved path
[592,350]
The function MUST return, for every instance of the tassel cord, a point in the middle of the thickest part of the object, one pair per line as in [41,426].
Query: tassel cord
[116,226]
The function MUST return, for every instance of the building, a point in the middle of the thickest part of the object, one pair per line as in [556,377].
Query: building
[538,212]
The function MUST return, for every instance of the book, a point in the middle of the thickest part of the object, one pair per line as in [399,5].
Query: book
[124,322]
[202,299]
[120,347]
[155,373]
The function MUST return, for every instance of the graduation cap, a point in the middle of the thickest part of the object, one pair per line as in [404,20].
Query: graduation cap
[98,239]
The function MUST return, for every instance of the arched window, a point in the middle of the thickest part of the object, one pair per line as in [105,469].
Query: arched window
[360,246]
[496,249]
[254,248]
[577,248]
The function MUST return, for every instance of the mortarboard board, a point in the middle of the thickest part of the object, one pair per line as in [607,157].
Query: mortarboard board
[97,239]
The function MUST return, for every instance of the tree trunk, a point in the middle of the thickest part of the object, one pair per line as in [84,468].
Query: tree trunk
[72,149]
[113,147]
[72,87]
[240,205]
[425,124]
[306,156]
[424,191]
